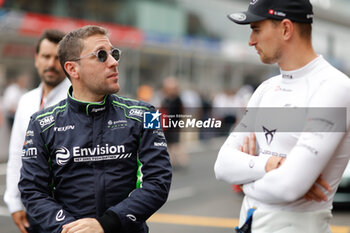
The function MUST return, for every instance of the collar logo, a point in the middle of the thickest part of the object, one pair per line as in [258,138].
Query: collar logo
[287,76]
[253,2]
[98,109]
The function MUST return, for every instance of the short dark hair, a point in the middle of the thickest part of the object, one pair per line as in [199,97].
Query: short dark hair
[52,35]
[71,46]
[304,29]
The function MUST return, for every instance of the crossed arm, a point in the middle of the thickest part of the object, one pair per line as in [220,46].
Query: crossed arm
[314,193]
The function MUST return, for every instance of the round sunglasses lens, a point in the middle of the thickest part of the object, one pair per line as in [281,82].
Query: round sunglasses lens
[116,54]
[102,55]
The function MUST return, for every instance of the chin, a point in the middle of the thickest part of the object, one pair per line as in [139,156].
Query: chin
[114,90]
[267,61]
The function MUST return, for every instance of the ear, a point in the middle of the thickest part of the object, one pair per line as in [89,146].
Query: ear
[287,29]
[72,68]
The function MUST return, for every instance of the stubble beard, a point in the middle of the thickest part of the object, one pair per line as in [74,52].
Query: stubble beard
[52,81]
[275,57]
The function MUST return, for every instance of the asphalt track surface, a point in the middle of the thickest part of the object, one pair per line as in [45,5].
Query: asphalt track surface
[197,202]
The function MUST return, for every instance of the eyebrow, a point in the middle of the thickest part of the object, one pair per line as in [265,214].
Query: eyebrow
[253,26]
[109,47]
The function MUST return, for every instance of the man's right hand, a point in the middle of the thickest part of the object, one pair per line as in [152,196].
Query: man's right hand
[274,162]
[249,145]
[20,219]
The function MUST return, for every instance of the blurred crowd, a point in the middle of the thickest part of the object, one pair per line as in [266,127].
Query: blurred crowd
[171,98]
[14,88]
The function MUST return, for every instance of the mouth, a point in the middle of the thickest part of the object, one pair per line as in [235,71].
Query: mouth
[50,73]
[113,75]
[53,71]
[258,50]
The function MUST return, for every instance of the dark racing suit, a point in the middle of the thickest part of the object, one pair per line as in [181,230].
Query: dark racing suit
[94,160]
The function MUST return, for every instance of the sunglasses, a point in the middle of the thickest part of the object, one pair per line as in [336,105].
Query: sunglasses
[102,55]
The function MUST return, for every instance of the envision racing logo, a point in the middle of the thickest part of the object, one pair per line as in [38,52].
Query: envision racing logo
[62,156]
[91,154]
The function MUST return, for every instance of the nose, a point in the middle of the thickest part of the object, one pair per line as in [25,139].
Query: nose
[52,61]
[252,40]
[111,61]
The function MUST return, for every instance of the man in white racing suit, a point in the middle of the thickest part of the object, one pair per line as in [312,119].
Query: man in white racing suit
[291,164]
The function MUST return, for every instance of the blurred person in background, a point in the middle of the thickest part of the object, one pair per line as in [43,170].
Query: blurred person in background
[191,101]
[206,112]
[107,172]
[12,95]
[145,93]
[192,104]
[172,105]
[290,183]
[225,105]
[53,88]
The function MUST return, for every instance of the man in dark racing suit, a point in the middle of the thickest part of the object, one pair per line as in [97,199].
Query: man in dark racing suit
[88,163]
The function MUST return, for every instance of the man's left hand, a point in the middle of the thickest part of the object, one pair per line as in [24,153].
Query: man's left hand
[315,193]
[84,225]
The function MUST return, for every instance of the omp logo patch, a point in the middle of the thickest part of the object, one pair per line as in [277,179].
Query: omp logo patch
[136,112]
[46,121]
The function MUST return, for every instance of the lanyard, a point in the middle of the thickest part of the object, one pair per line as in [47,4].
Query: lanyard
[246,228]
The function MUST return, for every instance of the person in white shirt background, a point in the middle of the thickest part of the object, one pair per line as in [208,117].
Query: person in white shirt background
[53,88]
[290,184]
[12,94]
